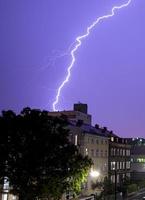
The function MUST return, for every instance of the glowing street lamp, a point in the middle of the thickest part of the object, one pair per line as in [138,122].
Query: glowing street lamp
[94,173]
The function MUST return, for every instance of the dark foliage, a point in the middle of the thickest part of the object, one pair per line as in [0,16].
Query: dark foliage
[37,157]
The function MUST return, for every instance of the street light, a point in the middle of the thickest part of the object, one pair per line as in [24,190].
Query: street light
[94,173]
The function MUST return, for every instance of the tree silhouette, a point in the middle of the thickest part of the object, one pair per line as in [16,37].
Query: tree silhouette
[37,157]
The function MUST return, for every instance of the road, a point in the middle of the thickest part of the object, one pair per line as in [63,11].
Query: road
[138,196]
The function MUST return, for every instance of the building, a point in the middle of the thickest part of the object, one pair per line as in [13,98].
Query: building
[90,141]
[79,112]
[95,145]
[119,159]
[109,153]
[137,158]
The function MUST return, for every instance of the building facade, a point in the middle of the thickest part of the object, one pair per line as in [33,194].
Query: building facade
[137,158]
[119,159]
[110,154]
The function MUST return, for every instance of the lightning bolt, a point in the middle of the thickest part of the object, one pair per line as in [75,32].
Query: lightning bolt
[78,43]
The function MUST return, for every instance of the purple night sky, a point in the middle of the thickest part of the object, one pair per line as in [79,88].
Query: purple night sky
[109,71]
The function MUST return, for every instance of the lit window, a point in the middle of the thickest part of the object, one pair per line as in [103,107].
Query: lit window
[120,165]
[113,165]
[76,140]
[86,151]
[128,165]
[112,139]
[117,165]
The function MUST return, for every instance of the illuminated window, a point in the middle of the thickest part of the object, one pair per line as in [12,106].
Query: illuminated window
[117,165]
[86,151]
[112,139]
[141,160]
[128,165]
[113,165]
[120,165]
[76,140]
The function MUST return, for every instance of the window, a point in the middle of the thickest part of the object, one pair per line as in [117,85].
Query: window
[128,175]
[101,153]
[131,159]
[123,152]
[128,165]
[117,165]
[97,141]
[113,165]
[140,160]
[102,142]
[113,178]
[92,152]
[76,140]
[86,151]
[117,178]
[117,152]
[114,151]
[123,165]
[106,153]
[112,139]
[127,152]
[120,165]
[88,140]
[120,152]
[97,152]
[92,141]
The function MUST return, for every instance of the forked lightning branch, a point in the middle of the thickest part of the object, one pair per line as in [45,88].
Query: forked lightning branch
[78,43]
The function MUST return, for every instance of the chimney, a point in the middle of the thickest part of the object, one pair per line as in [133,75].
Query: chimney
[81,107]
[96,126]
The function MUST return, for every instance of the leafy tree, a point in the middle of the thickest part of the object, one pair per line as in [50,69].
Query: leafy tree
[37,157]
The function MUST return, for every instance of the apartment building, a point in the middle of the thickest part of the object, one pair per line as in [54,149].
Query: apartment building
[110,153]
[137,158]
[119,159]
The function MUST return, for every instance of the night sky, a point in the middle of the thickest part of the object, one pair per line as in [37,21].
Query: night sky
[109,73]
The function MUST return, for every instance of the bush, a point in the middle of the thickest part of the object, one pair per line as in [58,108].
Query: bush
[132,188]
